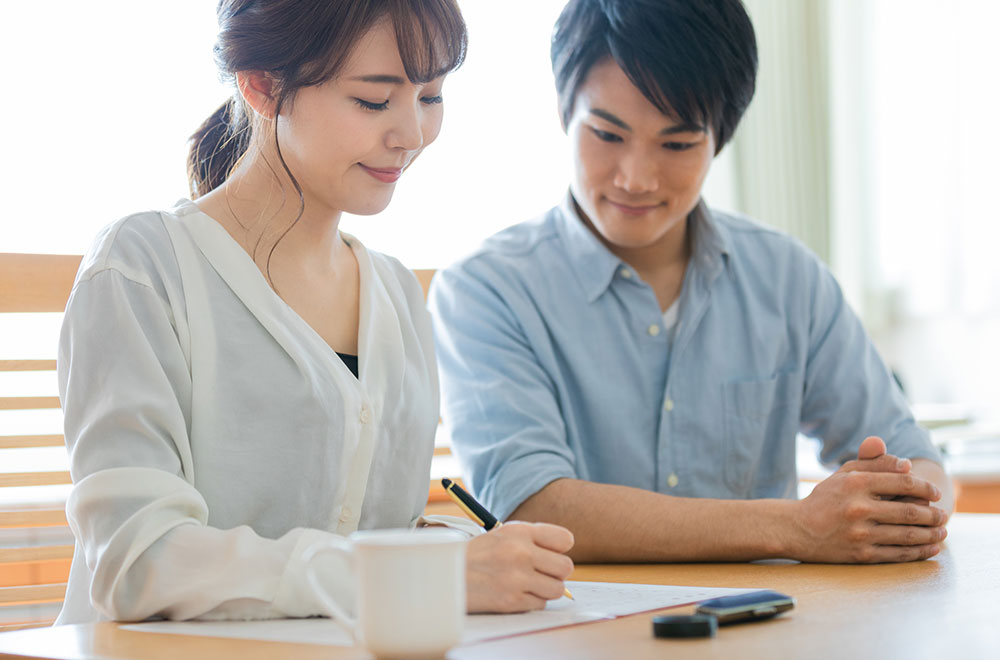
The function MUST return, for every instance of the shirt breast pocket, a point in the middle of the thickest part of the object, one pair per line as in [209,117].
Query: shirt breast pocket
[760,422]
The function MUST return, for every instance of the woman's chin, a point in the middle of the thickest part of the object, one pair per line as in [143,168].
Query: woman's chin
[370,206]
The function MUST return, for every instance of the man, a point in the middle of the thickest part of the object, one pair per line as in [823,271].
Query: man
[635,366]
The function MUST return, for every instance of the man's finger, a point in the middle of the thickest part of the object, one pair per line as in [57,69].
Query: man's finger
[890,554]
[882,483]
[907,535]
[871,447]
[907,513]
[907,498]
[884,463]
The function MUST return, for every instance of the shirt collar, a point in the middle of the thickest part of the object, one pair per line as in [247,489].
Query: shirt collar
[595,266]
[711,242]
[593,263]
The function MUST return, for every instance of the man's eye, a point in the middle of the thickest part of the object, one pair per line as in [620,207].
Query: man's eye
[679,146]
[369,105]
[605,136]
[432,100]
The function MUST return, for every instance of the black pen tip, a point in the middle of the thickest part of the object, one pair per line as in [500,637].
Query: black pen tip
[446,483]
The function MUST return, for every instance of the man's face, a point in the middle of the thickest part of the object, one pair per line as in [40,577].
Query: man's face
[637,173]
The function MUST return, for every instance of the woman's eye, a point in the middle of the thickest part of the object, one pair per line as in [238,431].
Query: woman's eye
[432,100]
[605,136]
[679,146]
[369,105]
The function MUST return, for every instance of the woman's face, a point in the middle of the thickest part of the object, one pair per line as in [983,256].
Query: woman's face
[348,140]
[637,173]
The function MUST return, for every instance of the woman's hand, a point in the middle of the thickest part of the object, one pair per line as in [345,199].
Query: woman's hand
[517,567]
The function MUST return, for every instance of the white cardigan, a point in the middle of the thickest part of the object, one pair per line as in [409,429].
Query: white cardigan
[213,435]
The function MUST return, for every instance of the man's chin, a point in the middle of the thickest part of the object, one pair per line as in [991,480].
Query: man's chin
[627,240]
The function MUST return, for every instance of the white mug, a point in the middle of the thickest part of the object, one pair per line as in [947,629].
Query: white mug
[410,589]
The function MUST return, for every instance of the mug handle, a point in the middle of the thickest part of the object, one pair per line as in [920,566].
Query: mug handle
[342,547]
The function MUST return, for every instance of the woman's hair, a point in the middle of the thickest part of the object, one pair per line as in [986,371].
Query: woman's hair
[302,43]
[695,60]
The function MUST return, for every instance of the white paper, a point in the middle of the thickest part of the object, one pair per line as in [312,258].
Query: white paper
[594,601]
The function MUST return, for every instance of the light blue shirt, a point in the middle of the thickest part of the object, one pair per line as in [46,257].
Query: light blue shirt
[554,363]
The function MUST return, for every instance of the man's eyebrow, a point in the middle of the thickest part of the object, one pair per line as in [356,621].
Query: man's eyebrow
[683,128]
[670,130]
[607,116]
[380,78]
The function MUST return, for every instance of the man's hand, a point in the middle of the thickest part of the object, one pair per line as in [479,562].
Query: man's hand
[517,567]
[871,510]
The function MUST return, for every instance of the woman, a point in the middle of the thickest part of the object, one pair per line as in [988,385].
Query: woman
[239,379]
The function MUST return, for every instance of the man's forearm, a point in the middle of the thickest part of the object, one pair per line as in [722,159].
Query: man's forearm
[622,524]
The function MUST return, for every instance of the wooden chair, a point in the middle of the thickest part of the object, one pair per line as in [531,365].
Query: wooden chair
[33,568]
[32,575]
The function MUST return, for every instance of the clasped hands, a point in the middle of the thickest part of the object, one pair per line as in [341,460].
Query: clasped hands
[872,510]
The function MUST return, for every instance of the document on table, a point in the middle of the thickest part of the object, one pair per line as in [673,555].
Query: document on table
[594,601]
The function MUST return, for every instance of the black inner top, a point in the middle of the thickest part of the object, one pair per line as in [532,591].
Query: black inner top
[351,361]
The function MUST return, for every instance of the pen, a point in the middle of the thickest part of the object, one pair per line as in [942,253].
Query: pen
[477,512]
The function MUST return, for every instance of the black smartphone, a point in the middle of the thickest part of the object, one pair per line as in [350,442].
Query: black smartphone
[752,606]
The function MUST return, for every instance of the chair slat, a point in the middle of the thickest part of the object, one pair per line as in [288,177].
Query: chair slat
[36,282]
[28,402]
[27,365]
[29,573]
[33,518]
[35,553]
[18,479]
[30,441]
[35,594]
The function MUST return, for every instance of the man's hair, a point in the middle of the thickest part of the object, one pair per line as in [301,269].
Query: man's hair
[695,60]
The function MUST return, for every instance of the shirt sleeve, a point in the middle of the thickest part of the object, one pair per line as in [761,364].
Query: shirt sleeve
[139,521]
[499,403]
[850,393]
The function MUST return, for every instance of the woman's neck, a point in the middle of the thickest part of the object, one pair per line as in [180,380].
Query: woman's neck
[262,211]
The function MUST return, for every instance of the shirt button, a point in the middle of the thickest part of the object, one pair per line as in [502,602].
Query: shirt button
[626,273]
[668,405]
[345,514]
[364,415]
[653,330]
[672,480]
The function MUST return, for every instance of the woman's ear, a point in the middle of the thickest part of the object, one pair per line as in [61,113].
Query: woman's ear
[259,90]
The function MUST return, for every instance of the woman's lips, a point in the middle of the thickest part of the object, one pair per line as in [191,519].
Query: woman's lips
[383,174]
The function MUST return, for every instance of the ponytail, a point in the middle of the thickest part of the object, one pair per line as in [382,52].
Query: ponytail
[216,148]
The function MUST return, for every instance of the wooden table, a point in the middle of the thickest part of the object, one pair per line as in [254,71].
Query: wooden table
[943,608]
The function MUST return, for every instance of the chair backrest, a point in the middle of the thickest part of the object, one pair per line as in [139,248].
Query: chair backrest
[36,546]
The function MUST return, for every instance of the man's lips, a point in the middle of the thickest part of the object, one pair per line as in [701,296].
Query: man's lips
[383,174]
[633,209]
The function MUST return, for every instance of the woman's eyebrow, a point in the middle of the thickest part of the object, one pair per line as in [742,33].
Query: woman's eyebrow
[382,78]
[670,130]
